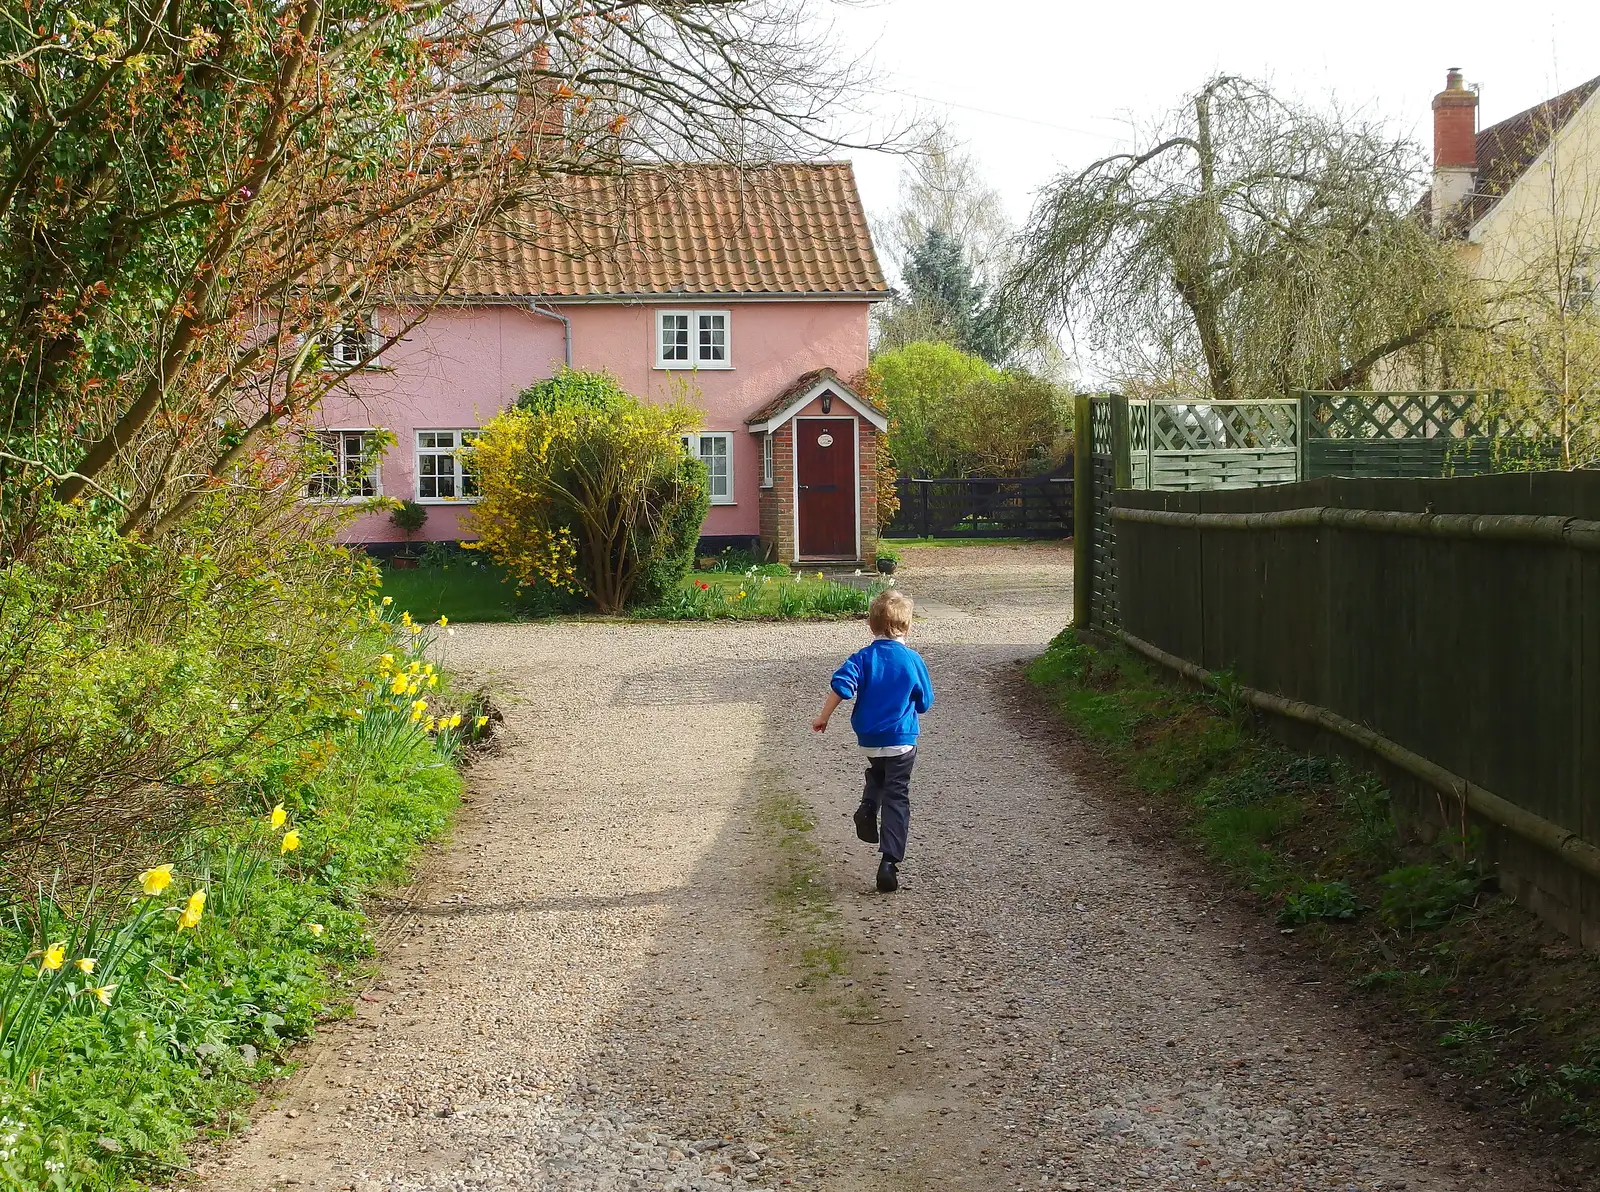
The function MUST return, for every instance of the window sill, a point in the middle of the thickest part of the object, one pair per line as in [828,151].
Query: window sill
[660,367]
[723,502]
[447,500]
[340,500]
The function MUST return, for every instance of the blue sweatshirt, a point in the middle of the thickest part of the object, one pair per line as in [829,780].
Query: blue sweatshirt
[890,685]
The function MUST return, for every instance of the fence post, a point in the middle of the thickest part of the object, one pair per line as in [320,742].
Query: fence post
[1082,509]
[1301,431]
[927,531]
[1121,456]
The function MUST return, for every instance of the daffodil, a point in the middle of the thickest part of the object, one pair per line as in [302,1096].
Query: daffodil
[279,816]
[413,688]
[315,928]
[414,667]
[192,910]
[428,670]
[386,663]
[455,721]
[415,628]
[153,881]
[427,725]
[433,680]
[291,841]
[101,993]
[398,687]
[443,621]
[84,964]
[420,706]
[387,601]
[54,957]
[405,619]
[740,596]
[480,722]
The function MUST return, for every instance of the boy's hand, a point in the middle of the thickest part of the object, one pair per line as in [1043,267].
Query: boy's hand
[820,724]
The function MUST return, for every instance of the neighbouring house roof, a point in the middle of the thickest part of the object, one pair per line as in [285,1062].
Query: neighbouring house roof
[786,229]
[805,389]
[1506,150]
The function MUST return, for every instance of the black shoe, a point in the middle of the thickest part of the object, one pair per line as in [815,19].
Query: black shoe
[867,823]
[888,878]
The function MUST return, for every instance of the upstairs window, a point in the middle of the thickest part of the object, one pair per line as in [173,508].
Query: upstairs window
[349,344]
[443,472]
[349,473]
[715,450]
[693,339]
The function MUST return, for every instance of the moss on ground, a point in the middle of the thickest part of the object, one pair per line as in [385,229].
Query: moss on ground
[1416,931]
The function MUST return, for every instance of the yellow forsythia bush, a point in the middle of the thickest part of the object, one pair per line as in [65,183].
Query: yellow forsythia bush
[588,498]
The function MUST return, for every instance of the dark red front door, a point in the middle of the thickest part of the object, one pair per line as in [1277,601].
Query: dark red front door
[825,468]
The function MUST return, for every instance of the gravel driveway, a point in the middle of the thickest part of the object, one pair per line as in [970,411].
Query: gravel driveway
[637,965]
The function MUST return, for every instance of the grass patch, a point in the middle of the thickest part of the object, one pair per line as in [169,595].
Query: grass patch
[1417,930]
[804,915]
[944,542]
[110,1071]
[468,586]
[767,593]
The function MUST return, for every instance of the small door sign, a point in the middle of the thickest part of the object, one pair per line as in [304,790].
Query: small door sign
[824,440]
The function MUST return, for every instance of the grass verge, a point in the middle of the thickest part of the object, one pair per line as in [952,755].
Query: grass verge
[768,593]
[804,915]
[140,1014]
[1503,1006]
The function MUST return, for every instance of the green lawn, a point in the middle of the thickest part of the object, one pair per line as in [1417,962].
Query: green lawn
[465,590]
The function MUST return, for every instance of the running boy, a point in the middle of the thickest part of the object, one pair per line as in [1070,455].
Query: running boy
[890,685]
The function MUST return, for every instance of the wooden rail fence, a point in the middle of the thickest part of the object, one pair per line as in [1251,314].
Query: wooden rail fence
[1450,627]
[991,507]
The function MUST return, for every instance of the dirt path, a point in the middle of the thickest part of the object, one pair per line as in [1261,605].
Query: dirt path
[651,957]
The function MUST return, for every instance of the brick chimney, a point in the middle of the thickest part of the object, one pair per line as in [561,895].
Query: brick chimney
[1455,145]
[541,106]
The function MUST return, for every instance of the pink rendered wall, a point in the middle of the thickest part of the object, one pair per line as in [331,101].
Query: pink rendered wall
[463,365]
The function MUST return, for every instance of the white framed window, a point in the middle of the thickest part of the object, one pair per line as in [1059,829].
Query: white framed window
[444,474]
[766,461]
[349,344]
[1583,283]
[350,473]
[693,339]
[715,450]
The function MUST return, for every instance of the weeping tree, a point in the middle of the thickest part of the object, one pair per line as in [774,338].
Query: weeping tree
[1246,248]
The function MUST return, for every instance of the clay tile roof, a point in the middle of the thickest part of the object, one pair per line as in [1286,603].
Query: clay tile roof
[788,228]
[802,385]
[1506,150]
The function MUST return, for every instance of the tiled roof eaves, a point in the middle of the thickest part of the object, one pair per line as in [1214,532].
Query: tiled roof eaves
[1507,149]
[653,297]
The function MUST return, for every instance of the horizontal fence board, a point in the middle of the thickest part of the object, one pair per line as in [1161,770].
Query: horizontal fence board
[983,507]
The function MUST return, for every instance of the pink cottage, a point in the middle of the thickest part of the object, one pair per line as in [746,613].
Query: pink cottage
[745,290]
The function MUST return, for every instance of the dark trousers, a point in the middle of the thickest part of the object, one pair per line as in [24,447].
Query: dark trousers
[888,793]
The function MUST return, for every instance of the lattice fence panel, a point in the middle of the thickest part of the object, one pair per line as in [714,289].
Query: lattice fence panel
[1453,414]
[1225,426]
[1103,609]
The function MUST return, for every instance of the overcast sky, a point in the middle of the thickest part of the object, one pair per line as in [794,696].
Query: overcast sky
[1035,86]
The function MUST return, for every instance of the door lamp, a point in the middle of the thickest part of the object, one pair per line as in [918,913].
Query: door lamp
[827,403]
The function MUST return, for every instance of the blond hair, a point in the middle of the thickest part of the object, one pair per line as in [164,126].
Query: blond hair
[890,614]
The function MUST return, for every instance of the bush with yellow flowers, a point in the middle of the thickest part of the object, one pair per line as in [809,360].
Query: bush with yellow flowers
[587,489]
[141,997]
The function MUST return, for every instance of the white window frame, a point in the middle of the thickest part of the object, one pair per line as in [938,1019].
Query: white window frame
[767,448]
[461,473]
[695,360]
[694,444]
[342,464]
[342,347]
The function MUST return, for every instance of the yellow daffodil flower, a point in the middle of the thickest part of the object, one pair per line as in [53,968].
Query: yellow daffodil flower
[819,575]
[405,618]
[481,721]
[101,993]
[54,957]
[428,670]
[386,663]
[315,928]
[398,687]
[415,628]
[84,964]
[192,910]
[279,816]
[154,881]
[291,841]
[414,667]
[433,680]
[740,596]
[443,621]
[387,601]
[455,721]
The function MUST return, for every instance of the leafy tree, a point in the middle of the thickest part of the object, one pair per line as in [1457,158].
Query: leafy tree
[953,414]
[1248,244]
[597,497]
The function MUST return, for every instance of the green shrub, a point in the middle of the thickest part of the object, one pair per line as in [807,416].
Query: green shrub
[1427,896]
[593,494]
[600,392]
[1319,900]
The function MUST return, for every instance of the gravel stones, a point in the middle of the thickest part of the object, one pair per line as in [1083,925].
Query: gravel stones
[589,989]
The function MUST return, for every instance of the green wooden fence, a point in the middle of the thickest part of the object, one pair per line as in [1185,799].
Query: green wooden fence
[1449,626]
[1168,445]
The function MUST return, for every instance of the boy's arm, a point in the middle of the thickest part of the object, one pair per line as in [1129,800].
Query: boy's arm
[842,687]
[820,724]
[922,694]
